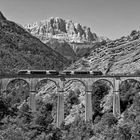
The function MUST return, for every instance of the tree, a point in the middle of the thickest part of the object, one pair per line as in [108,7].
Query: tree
[77,130]
[134,32]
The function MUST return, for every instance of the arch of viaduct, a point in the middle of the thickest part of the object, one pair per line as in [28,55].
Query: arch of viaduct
[60,81]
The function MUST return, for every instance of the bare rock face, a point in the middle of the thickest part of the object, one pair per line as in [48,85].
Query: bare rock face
[70,27]
[80,30]
[89,35]
[61,29]
[58,24]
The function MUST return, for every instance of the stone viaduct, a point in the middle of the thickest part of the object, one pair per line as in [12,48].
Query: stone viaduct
[86,80]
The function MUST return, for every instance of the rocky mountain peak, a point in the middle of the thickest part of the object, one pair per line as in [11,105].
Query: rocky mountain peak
[58,28]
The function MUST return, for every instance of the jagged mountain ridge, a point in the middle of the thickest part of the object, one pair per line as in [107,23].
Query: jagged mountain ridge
[61,29]
[61,35]
[20,50]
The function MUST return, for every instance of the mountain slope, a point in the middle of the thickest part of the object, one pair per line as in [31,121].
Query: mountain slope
[63,47]
[112,60]
[20,50]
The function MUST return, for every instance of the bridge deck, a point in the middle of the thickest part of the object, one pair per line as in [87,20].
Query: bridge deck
[64,76]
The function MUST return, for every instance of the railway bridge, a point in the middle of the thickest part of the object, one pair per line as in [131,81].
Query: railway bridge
[60,81]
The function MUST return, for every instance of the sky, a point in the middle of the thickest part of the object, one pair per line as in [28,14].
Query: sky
[110,18]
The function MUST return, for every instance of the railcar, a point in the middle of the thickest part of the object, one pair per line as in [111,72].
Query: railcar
[38,72]
[23,72]
[96,73]
[52,72]
[69,72]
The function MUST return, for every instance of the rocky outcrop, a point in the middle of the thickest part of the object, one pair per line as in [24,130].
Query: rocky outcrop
[134,35]
[20,50]
[61,29]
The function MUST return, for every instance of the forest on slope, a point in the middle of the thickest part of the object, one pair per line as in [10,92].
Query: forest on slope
[20,50]
[18,122]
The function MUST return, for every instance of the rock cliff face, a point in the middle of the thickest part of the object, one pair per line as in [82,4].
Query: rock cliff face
[61,29]
[20,50]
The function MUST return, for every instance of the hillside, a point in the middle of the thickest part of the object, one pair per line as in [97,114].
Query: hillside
[63,47]
[20,50]
[119,56]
